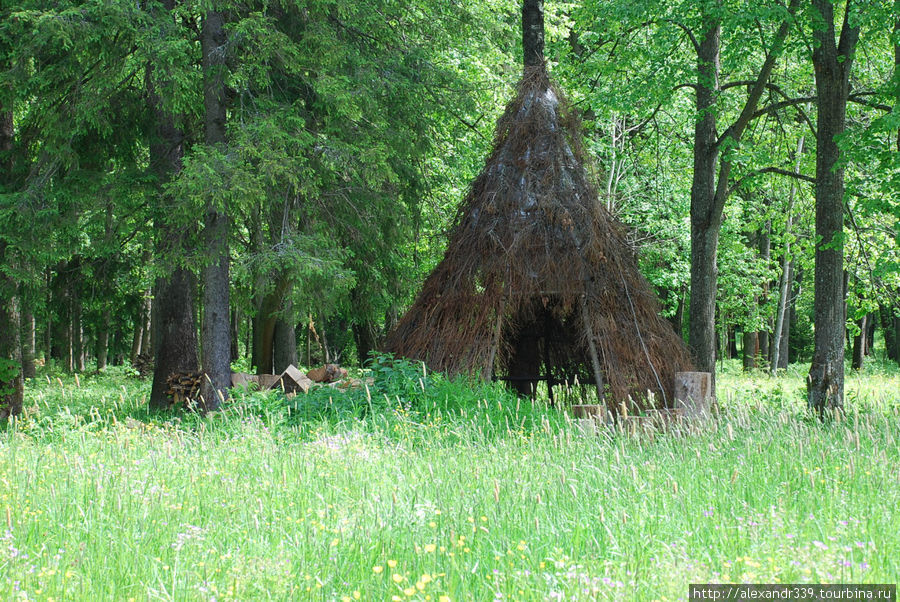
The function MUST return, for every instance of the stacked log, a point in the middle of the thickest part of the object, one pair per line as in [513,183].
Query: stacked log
[329,373]
[184,386]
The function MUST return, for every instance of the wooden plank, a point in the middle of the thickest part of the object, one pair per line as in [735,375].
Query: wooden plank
[242,379]
[292,380]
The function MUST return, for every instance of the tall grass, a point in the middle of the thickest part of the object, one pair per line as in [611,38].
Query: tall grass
[423,488]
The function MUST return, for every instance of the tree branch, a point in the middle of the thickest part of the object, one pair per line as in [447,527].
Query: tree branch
[858,99]
[783,104]
[776,170]
[749,113]
[687,30]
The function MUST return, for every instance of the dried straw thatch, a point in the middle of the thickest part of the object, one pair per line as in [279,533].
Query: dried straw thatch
[538,281]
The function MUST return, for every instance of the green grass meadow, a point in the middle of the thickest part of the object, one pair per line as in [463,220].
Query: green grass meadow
[427,489]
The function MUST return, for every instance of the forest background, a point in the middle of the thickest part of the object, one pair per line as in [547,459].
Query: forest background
[278,178]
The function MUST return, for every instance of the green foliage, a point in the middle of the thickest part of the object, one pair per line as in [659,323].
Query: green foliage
[407,391]
[9,370]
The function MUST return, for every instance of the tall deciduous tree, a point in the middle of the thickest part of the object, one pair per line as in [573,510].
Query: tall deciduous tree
[832,60]
[712,169]
[782,316]
[216,335]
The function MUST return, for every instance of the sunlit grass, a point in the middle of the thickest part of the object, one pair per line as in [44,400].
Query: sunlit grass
[471,495]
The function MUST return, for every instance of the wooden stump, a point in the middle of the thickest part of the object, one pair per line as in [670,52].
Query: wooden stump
[693,394]
[589,411]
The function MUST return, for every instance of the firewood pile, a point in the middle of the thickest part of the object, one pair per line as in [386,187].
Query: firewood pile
[329,373]
[184,386]
[143,363]
[292,380]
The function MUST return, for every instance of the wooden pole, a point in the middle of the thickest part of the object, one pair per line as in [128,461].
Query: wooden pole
[595,358]
[489,367]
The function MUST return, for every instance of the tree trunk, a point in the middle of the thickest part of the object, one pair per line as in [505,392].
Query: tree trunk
[28,342]
[11,385]
[870,334]
[235,333]
[77,334]
[216,328]
[859,344]
[136,339]
[779,354]
[788,318]
[751,349]
[832,62]
[70,338]
[48,333]
[285,342]
[887,327]
[103,340]
[705,220]
[709,192]
[174,333]
[896,322]
[264,337]
[677,320]
[533,32]
[765,254]
[147,327]
[364,336]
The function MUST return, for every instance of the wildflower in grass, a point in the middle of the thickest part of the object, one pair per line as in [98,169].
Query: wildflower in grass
[430,547]
[398,578]
[444,599]
[392,563]
[377,569]
[819,544]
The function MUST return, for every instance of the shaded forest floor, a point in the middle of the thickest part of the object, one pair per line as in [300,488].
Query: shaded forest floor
[423,488]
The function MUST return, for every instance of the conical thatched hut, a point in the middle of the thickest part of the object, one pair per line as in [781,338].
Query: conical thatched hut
[538,281]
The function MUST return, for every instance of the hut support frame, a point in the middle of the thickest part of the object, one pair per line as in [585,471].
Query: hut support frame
[592,349]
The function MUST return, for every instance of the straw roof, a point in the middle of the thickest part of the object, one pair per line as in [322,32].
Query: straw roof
[533,253]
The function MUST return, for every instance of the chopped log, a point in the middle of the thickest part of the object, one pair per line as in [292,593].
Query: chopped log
[184,386]
[267,381]
[292,380]
[242,379]
[328,373]
[693,394]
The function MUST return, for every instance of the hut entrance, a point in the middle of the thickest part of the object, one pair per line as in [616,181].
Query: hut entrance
[543,347]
